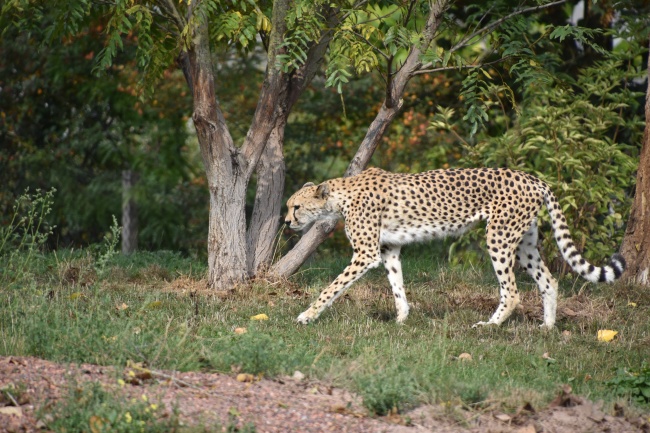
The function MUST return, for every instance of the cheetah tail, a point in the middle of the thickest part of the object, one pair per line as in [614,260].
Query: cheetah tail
[607,273]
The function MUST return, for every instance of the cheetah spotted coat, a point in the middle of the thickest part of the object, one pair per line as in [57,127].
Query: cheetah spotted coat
[384,211]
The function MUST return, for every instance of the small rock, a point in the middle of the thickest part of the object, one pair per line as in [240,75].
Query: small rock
[240,331]
[465,357]
[503,417]
[298,376]
[11,410]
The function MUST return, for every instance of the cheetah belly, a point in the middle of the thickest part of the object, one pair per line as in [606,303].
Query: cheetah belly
[394,234]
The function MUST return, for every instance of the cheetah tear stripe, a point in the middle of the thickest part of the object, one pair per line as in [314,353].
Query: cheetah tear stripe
[596,274]
[384,211]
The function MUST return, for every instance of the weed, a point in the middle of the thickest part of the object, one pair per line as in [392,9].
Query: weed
[259,353]
[386,392]
[109,247]
[26,233]
[12,394]
[89,407]
[634,385]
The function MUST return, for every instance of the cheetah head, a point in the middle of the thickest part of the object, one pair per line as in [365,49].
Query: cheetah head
[307,205]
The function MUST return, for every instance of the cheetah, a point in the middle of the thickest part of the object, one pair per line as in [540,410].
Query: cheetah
[384,211]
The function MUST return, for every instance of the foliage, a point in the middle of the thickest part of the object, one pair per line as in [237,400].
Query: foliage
[89,407]
[632,384]
[492,77]
[67,130]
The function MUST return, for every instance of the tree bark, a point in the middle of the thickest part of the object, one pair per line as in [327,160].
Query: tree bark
[129,213]
[225,170]
[396,84]
[636,243]
[265,220]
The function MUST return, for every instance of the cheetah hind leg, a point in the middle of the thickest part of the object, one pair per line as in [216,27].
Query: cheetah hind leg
[530,259]
[390,258]
[503,262]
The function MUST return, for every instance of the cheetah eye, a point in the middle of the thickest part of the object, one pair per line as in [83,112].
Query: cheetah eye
[296,207]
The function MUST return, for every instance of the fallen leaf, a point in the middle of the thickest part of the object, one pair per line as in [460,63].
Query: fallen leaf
[631,304]
[260,317]
[11,410]
[569,312]
[153,305]
[566,333]
[548,358]
[503,417]
[606,335]
[76,295]
[245,377]
[121,307]
[465,357]
[240,331]
[96,424]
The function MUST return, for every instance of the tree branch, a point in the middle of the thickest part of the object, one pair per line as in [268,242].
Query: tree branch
[451,68]
[464,42]
[281,90]
[269,103]
[169,6]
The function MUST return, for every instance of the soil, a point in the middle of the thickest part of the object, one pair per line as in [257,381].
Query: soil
[289,404]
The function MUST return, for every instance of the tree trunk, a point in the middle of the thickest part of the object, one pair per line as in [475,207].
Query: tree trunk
[265,220]
[636,243]
[225,169]
[129,213]
[226,233]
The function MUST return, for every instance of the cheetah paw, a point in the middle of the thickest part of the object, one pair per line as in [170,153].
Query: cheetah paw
[305,317]
[401,318]
[479,324]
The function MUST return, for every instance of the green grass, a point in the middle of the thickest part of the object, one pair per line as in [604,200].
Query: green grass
[63,310]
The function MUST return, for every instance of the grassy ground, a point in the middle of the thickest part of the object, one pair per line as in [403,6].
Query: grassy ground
[153,308]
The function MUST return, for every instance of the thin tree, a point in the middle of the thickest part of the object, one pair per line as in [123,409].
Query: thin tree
[636,243]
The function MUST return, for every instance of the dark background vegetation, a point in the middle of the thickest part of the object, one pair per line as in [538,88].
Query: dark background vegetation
[580,129]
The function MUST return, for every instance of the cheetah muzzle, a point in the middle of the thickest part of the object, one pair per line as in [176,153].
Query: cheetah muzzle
[384,211]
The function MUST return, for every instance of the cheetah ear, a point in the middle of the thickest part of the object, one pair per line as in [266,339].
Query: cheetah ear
[308,184]
[323,191]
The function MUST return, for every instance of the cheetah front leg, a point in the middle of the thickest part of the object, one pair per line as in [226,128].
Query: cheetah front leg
[390,257]
[361,263]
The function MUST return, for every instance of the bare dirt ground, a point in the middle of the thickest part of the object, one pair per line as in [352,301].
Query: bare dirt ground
[283,405]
